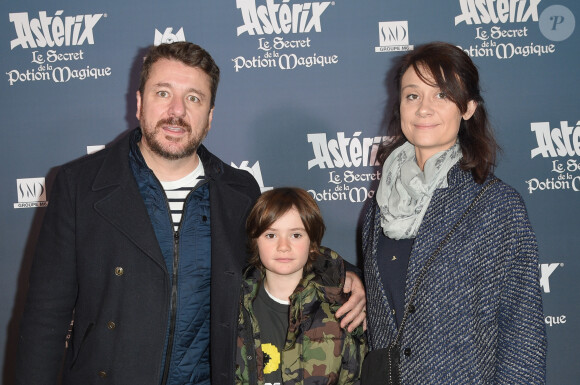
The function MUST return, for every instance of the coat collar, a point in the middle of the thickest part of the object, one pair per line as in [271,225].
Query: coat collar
[123,207]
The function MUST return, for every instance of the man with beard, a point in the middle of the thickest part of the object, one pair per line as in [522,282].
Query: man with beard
[136,241]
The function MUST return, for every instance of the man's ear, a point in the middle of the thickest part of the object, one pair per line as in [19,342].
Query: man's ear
[138,114]
[210,118]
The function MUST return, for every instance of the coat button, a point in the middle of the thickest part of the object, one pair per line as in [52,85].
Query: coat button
[119,271]
[407,352]
[111,325]
[102,374]
[412,309]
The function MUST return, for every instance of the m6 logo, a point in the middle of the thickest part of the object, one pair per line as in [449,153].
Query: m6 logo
[168,36]
[255,171]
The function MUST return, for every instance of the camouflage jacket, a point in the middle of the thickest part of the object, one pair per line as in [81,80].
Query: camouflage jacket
[317,350]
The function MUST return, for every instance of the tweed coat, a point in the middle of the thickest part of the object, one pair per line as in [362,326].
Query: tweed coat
[477,317]
[97,254]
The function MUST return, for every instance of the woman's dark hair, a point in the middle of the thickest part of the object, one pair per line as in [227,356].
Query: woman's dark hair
[272,205]
[187,53]
[455,74]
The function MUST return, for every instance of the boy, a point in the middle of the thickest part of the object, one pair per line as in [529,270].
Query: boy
[288,332]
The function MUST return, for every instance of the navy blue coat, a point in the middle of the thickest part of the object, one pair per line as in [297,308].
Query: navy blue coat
[478,313]
[97,254]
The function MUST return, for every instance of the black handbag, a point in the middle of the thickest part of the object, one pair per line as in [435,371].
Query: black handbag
[383,366]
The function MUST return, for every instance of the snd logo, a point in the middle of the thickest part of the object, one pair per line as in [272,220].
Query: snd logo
[31,193]
[393,36]
[393,33]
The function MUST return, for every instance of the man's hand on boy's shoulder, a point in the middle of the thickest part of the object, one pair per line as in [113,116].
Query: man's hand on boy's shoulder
[353,310]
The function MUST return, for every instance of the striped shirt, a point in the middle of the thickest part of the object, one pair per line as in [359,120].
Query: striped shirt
[177,191]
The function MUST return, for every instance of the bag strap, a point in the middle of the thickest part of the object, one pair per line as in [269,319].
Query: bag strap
[443,242]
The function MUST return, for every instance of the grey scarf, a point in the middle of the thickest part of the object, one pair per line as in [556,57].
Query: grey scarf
[405,191]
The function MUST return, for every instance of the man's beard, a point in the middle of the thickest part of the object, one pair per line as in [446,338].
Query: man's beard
[188,149]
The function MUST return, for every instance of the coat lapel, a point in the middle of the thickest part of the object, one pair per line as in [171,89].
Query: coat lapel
[386,306]
[121,204]
[445,209]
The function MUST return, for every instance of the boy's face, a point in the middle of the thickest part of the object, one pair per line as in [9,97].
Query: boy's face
[284,247]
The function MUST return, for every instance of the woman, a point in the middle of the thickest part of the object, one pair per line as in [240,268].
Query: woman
[288,332]
[451,261]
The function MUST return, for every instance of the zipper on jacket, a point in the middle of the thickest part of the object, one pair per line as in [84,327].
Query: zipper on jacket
[172,321]
[175,275]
